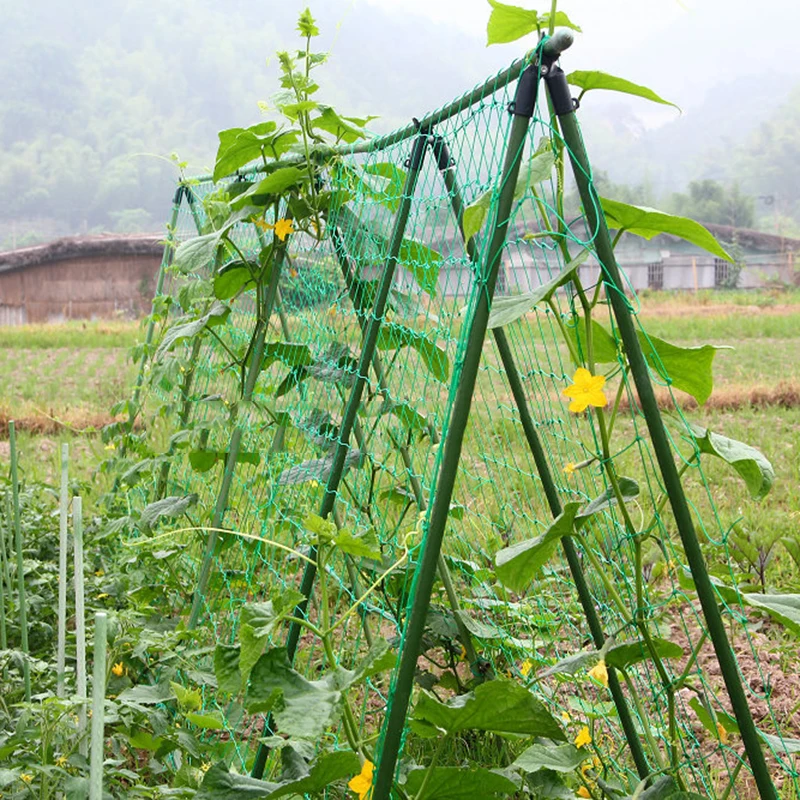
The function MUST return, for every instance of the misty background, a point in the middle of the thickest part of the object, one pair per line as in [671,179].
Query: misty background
[96,97]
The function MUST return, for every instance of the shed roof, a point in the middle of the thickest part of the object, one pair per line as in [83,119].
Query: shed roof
[82,247]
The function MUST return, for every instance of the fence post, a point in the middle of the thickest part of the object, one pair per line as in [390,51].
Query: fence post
[63,520]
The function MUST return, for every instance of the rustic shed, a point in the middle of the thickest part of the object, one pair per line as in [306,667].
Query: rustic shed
[79,278]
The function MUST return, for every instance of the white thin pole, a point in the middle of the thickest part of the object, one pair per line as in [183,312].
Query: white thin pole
[62,571]
[98,703]
[80,623]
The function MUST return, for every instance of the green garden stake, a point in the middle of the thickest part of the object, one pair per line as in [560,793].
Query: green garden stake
[521,110]
[558,89]
[551,492]
[63,520]
[23,604]
[98,706]
[80,621]
[6,540]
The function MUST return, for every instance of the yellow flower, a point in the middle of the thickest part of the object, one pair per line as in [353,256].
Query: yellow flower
[723,734]
[283,227]
[600,673]
[293,273]
[584,792]
[462,656]
[61,761]
[25,777]
[586,390]
[118,669]
[527,666]
[102,596]
[583,737]
[566,717]
[362,783]
[111,446]
[569,469]
[263,225]
[205,766]
[99,573]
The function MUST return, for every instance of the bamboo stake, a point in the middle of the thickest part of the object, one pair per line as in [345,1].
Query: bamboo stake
[98,702]
[62,571]
[80,621]
[23,605]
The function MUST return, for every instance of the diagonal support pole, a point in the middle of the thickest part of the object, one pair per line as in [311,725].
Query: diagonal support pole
[551,492]
[615,292]
[522,110]
[368,348]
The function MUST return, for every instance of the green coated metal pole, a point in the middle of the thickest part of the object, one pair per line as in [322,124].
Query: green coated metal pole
[63,531]
[562,103]
[416,487]
[98,706]
[23,603]
[368,347]
[582,588]
[545,475]
[522,110]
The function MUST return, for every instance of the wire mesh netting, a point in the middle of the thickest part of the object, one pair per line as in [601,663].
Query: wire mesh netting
[288,428]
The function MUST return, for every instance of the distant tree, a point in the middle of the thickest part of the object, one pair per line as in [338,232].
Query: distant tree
[711,202]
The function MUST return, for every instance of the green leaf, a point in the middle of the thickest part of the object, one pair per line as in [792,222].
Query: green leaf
[629,490]
[457,783]
[340,127]
[649,222]
[326,769]
[604,345]
[393,336]
[188,699]
[475,215]
[509,23]
[754,468]
[275,183]
[316,469]
[168,507]
[226,668]
[783,607]
[289,353]
[232,279]
[391,194]
[561,21]
[219,784]
[560,758]
[180,331]
[301,708]
[686,368]
[194,255]
[240,146]
[572,664]
[516,566]
[210,721]
[145,695]
[506,310]
[602,80]
[538,169]
[203,460]
[364,546]
[422,262]
[499,706]
[780,744]
[624,655]
[379,658]
[409,416]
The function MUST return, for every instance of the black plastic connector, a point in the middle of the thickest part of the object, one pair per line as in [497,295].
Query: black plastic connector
[441,153]
[176,200]
[524,101]
[556,80]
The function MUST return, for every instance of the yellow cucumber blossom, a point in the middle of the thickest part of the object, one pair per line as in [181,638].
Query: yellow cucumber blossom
[362,783]
[586,390]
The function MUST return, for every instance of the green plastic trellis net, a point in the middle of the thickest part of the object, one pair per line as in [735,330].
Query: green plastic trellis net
[268,445]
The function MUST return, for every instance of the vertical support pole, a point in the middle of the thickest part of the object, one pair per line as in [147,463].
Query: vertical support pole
[221,506]
[542,467]
[23,603]
[6,538]
[694,274]
[98,706]
[63,519]
[3,634]
[368,347]
[80,621]
[614,287]
[522,110]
